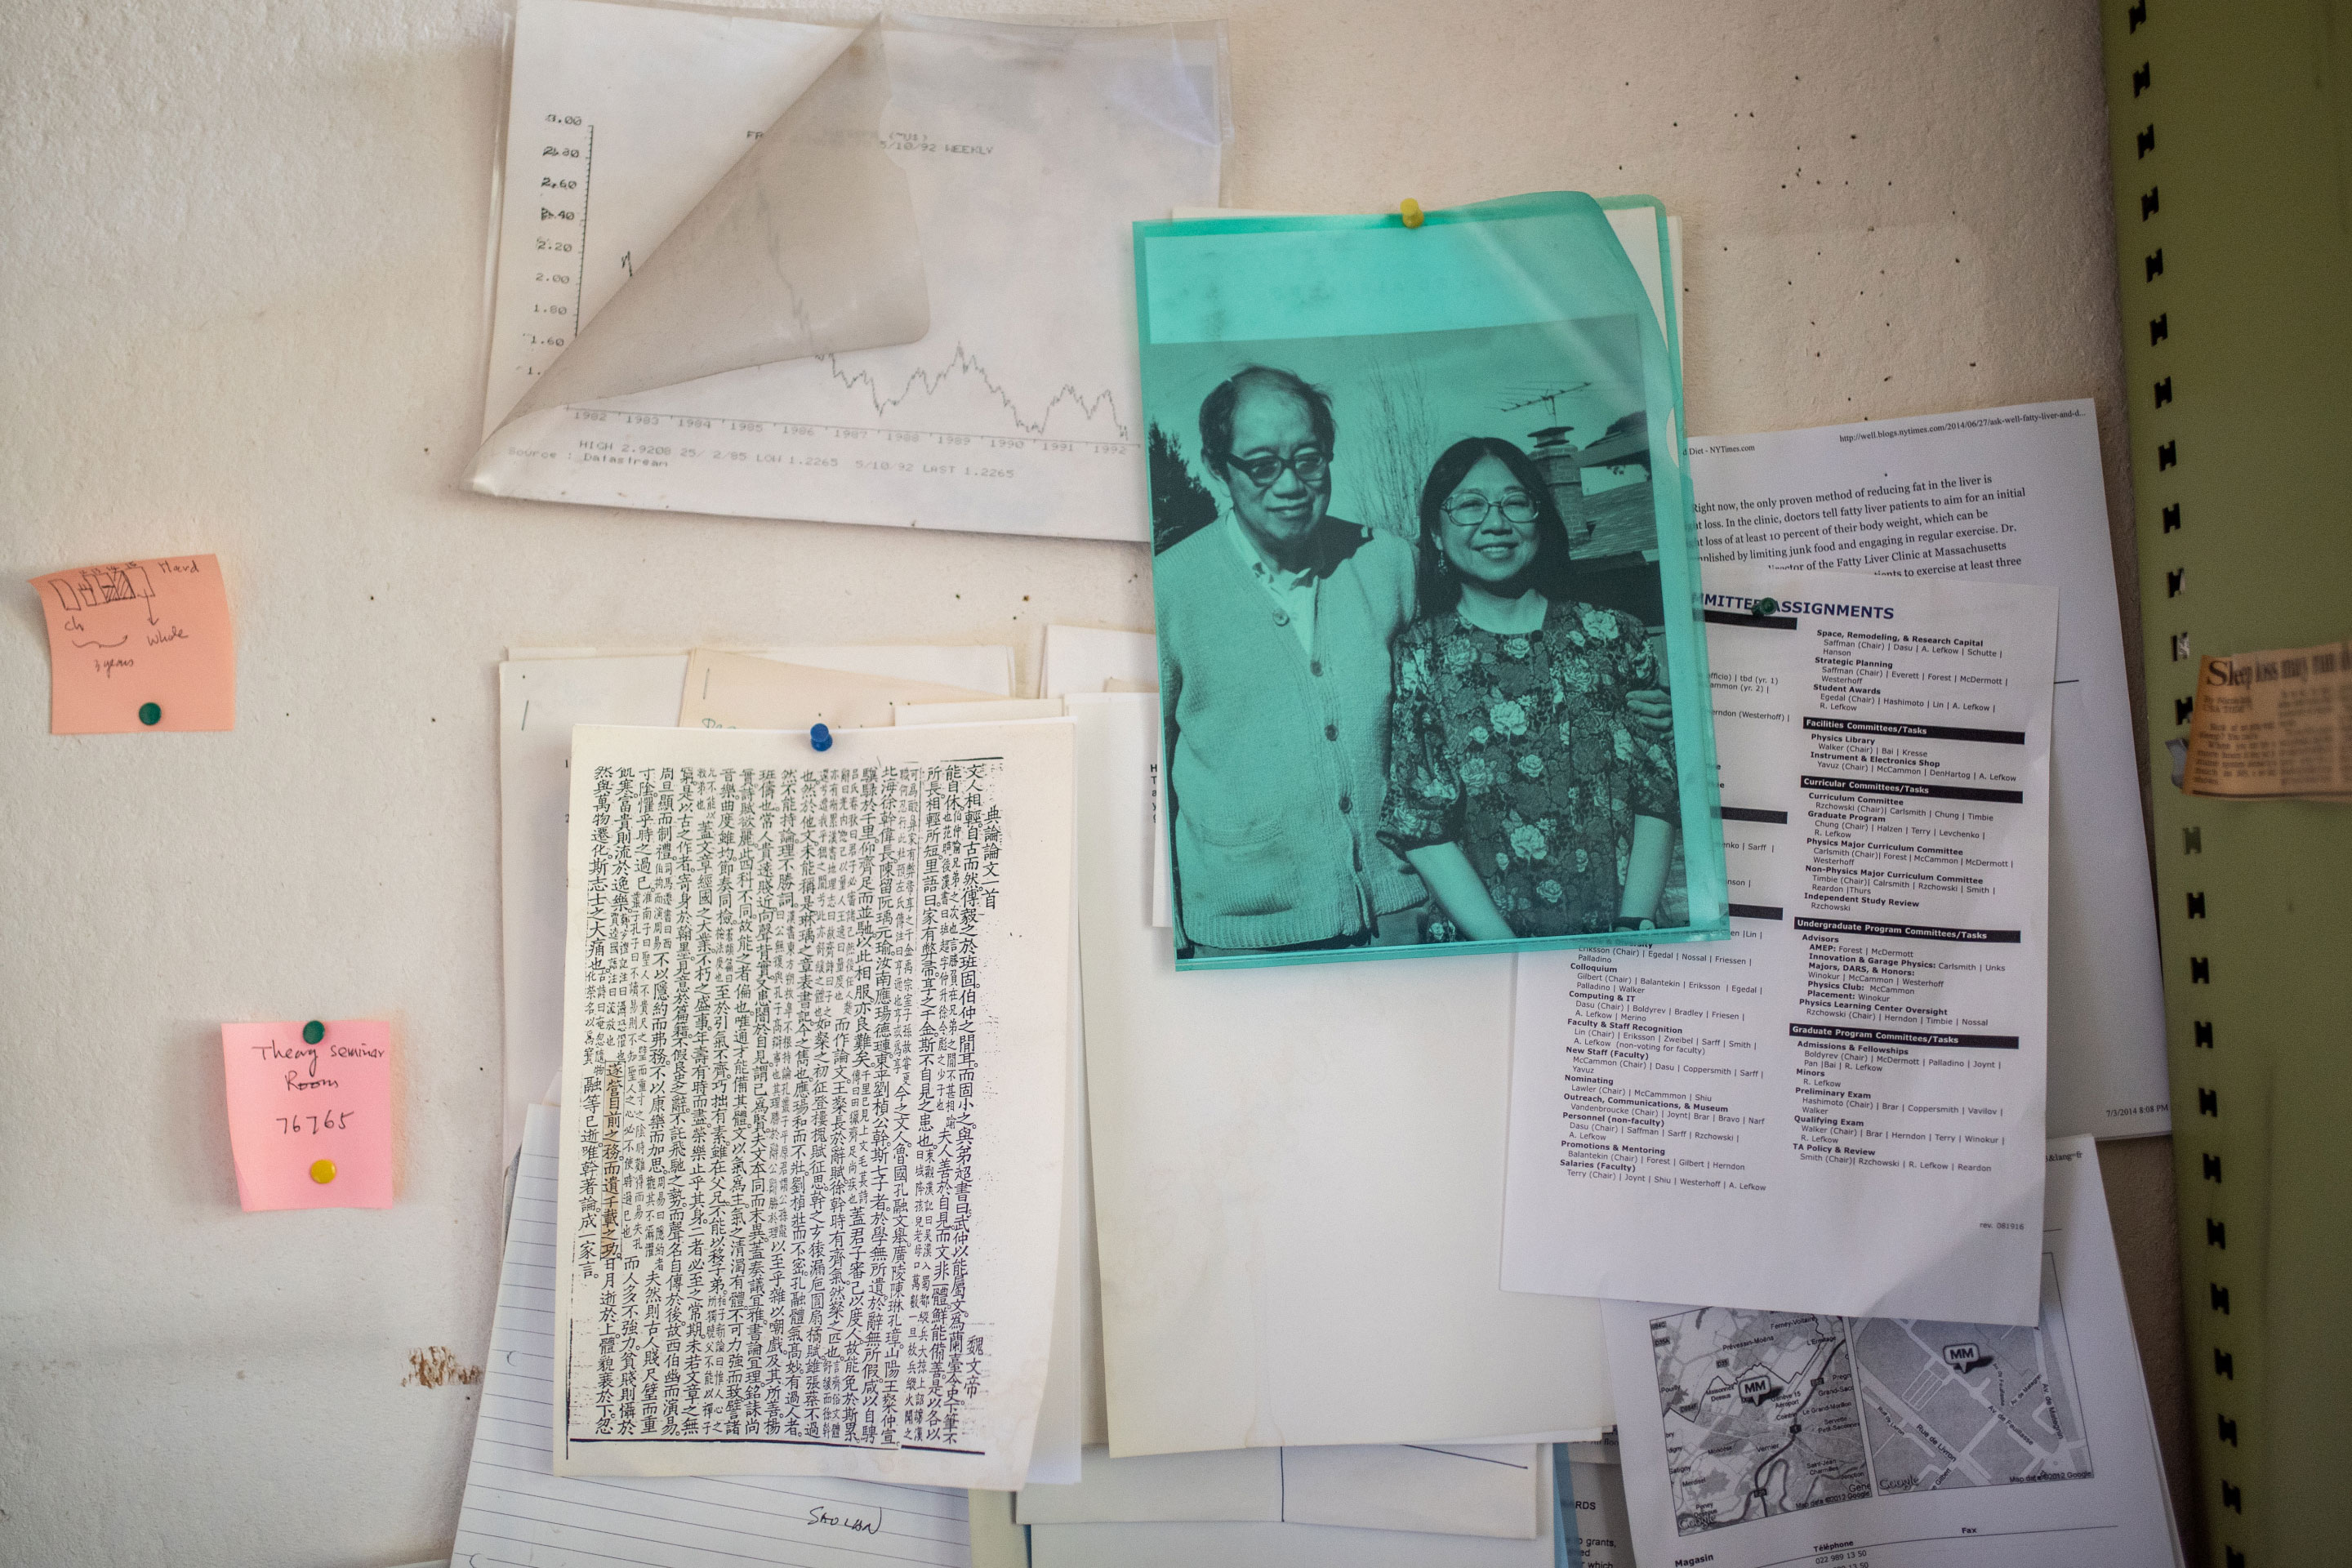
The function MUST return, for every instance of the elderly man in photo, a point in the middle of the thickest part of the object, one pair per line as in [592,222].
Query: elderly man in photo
[1275,628]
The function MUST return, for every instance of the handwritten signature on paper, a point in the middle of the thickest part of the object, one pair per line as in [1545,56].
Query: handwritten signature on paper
[857,1523]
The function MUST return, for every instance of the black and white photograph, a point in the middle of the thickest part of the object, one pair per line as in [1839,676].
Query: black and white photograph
[1414,670]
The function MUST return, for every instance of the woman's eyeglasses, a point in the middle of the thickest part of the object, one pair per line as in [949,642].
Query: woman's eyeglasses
[1310,466]
[1470,510]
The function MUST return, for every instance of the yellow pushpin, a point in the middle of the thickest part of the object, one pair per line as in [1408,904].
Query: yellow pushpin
[322,1171]
[1411,210]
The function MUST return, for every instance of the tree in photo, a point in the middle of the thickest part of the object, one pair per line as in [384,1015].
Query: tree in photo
[1400,444]
[1180,503]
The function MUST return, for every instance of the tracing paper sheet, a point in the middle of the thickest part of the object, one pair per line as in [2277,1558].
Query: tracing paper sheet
[917,385]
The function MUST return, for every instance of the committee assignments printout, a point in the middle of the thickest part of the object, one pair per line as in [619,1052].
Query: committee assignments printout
[2009,495]
[816,1034]
[1840,1109]
[1760,1440]
[1028,151]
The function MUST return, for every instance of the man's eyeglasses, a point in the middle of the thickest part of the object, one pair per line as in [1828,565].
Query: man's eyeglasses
[1470,510]
[1309,465]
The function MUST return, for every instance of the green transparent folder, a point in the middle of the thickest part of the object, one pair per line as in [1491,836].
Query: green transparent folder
[1521,318]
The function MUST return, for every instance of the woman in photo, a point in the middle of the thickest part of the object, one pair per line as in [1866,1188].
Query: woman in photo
[1520,787]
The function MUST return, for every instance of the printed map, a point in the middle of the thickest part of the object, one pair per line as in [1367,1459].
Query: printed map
[1970,1404]
[1760,1414]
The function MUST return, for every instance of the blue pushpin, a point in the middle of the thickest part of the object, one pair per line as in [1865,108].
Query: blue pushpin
[820,738]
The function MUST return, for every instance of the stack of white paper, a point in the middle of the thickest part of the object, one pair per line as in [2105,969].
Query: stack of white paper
[1292,1545]
[1459,1489]
[1288,1180]
[1297,1192]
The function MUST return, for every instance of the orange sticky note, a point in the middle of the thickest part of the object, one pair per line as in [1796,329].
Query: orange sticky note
[311,1123]
[139,645]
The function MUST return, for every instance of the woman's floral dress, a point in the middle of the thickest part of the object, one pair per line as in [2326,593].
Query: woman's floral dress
[1518,748]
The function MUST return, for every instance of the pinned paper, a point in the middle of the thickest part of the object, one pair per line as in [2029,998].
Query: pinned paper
[862,276]
[1095,658]
[311,1123]
[738,692]
[139,645]
[994,710]
[2275,725]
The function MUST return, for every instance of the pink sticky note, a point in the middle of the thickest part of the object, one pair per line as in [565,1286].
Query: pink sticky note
[135,633]
[292,1104]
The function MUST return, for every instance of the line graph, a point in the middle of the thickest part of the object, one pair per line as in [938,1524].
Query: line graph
[961,363]
[988,424]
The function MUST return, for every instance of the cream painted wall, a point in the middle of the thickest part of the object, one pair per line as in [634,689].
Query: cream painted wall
[241,272]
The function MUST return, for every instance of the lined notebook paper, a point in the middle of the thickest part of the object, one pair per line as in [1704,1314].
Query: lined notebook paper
[518,1514]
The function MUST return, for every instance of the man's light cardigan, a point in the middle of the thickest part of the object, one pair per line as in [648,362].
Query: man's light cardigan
[1277,759]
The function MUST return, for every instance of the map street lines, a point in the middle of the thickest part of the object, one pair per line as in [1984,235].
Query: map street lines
[1768,1413]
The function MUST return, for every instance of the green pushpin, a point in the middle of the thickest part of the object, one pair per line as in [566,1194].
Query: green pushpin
[1765,606]
[313,1032]
[151,714]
